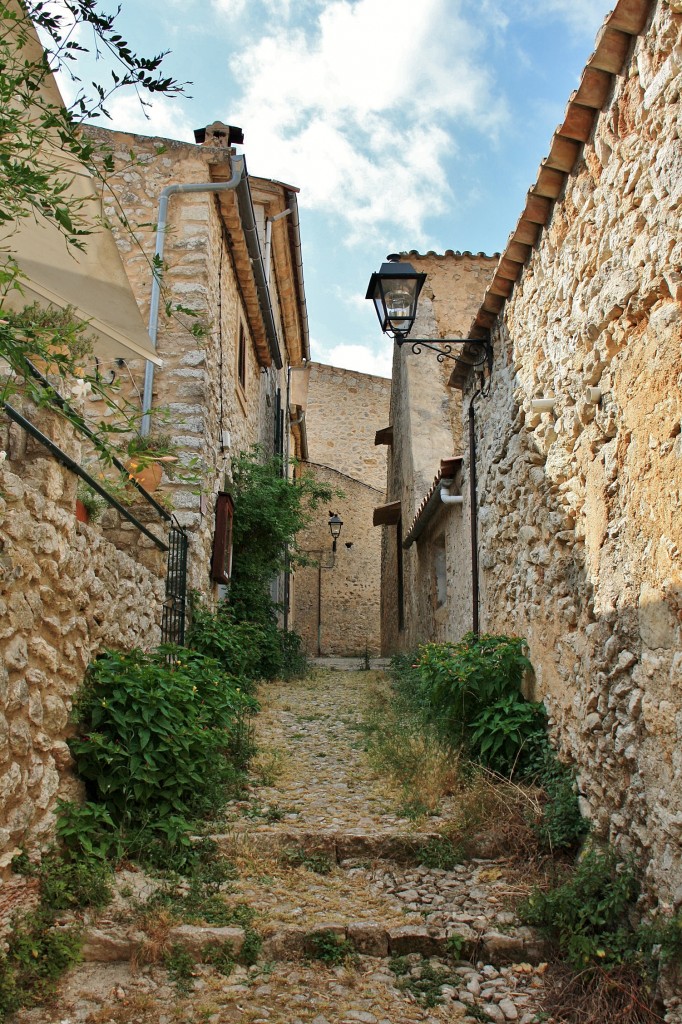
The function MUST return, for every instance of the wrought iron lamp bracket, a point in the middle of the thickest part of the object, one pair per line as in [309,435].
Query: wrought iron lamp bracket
[444,351]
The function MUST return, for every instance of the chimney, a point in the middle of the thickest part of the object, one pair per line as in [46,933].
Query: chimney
[219,135]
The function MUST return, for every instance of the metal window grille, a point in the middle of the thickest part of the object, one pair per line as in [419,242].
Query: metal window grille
[173,619]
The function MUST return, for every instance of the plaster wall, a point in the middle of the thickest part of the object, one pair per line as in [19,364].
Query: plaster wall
[579,525]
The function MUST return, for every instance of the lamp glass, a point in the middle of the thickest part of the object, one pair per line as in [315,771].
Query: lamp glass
[335,524]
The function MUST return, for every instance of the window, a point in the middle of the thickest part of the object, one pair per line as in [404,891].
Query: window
[221,564]
[241,358]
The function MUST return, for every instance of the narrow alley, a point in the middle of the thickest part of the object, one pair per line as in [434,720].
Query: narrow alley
[326,882]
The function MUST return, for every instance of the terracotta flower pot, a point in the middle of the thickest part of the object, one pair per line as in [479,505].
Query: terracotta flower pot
[82,514]
[49,368]
[148,476]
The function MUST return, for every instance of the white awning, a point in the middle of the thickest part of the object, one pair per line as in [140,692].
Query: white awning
[94,280]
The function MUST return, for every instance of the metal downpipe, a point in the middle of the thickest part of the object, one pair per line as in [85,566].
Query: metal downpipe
[238,170]
[473,516]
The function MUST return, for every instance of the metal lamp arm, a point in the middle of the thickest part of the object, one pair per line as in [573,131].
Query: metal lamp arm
[443,348]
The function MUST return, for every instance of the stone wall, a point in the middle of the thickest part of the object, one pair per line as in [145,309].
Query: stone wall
[344,411]
[343,596]
[579,524]
[65,593]
[209,414]
[426,419]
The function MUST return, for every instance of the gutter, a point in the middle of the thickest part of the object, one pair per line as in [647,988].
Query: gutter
[295,231]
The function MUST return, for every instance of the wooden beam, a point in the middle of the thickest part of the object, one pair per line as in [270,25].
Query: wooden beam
[384,436]
[387,515]
[502,285]
[517,251]
[508,269]
[526,232]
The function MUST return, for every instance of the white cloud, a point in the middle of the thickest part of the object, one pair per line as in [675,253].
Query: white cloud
[164,117]
[356,357]
[358,110]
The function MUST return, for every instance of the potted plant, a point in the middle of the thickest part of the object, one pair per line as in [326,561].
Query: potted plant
[89,505]
[148,457]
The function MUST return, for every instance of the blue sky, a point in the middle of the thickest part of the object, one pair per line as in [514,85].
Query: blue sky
[405,125]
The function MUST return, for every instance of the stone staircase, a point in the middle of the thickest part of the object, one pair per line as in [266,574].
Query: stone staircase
[327,866]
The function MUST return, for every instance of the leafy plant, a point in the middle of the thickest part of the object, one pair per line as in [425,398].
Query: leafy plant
[502,732]
[329,947]
[181,968]
[560,825]
[441,853]
[91,501]
[588,915]
[155,732]
[298,858]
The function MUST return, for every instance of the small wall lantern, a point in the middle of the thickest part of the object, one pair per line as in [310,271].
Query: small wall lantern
[335,524]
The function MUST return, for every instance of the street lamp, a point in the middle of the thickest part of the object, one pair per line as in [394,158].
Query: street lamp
[395,292]
[335,524]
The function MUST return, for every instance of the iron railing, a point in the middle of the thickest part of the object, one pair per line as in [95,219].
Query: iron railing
[175,605]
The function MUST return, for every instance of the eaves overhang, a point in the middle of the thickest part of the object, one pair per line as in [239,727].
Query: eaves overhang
[431,502]
[612,50]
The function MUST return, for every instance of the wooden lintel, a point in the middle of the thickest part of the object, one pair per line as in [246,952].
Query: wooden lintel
[630,16]
[387,515]
[502,285]
[384,436]
[578,122]
[612,49]
[563,153]
[595,85]
[550,182]
[537,210]
[508,269]
[483,322]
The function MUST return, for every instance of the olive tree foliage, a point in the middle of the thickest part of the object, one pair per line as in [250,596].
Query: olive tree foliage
[39,137]
[41,151]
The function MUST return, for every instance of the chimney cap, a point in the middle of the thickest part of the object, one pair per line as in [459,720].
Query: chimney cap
[219,134]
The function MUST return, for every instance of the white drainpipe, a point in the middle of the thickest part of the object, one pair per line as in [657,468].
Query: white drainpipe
[237,163]
[446,497]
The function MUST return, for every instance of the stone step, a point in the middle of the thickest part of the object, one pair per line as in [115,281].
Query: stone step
[337,846]
[369,938]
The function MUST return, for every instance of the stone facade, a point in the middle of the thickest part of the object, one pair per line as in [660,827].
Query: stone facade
[579,533]
[65,593]
[425,416]
[344,411]
[215,405]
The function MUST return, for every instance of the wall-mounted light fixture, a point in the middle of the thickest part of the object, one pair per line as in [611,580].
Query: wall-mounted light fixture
[394,291]
[335,524]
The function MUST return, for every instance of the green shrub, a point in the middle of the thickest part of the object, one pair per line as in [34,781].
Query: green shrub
[155,734]
[458,681]
[502,732]
[329,947]
[589,915]
[561,826]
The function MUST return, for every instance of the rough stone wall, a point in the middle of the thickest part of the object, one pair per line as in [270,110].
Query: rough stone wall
[344,411]
[65,593]
[426,419]
[345,596]
[579,524]
[211,415]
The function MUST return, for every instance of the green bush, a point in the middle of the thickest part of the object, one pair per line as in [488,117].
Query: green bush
[589,916]
[502,733]
[561,826]
[156,731]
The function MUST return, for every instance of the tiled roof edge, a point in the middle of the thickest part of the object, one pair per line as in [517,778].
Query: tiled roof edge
[612,50]
[429,503]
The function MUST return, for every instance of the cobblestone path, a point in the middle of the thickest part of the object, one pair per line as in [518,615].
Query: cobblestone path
[327,867]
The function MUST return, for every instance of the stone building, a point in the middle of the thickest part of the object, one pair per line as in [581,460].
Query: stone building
[577,441]
[67,589]
[337,601]
[233,260]
[421,580]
